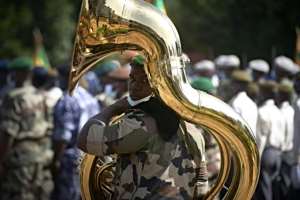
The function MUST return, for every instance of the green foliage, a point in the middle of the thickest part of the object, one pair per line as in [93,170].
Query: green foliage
[256,28]
[55,19]
[251,29]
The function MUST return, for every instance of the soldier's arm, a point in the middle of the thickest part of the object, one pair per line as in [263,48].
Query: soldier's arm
[101,119]
[132,132]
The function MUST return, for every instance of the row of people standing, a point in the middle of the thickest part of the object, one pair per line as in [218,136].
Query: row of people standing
[265,100]
[40,121]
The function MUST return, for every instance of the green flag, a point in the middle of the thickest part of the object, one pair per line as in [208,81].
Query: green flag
[40,57]
[160,5]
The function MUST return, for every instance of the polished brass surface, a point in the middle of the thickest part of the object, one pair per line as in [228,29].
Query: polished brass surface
[108,26]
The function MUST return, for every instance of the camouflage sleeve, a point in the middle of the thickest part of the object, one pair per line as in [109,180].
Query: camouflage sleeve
[127,136]
[9,117]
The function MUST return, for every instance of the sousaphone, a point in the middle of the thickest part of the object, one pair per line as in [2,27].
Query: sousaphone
[109,26]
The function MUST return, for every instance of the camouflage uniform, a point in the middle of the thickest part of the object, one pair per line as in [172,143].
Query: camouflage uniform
[22,118]
[147,167]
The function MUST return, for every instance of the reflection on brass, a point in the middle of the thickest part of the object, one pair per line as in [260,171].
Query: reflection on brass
[108,26]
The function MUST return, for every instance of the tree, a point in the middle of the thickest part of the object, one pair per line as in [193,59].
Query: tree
[55,19]
[257,28]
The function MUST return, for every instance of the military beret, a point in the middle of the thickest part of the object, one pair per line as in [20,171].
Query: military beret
[204,65]
[21,63]
[241,75]
[204,84]
[259,65]
[138,60]
[106,67]
[227,61]
[286,64]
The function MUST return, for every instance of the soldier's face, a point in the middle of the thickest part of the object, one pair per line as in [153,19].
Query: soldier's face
[139,86]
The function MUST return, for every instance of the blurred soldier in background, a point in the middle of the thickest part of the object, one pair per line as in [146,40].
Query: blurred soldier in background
[119,78]
[284,100]
[70,113]
[212,152]
[92,83]
[206,68]
[284,67]
[259,69]
[106,96]
[270,140]
[296,143]
[226,64]
[24,156]
[241,103]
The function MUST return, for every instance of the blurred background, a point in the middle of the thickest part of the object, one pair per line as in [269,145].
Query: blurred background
[246,53]
[249,29]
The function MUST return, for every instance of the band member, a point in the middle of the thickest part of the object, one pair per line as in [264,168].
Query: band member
[153,160]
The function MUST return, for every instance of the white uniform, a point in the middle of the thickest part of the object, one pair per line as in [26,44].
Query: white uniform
[287,113]
[297,128]
[270,126]
[243,105]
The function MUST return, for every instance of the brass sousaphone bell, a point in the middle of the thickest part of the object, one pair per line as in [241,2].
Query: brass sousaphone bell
[109,26]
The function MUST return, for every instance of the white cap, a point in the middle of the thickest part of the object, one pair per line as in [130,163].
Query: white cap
[227,61]
[286,64]
[204,65]
[259,65]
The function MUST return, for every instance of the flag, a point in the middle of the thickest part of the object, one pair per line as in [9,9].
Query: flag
[160,5]
[40,57]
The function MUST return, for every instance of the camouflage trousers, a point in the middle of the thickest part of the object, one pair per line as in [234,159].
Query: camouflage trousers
[31,182]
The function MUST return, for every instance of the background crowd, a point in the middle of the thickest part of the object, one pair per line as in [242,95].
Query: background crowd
[39,120]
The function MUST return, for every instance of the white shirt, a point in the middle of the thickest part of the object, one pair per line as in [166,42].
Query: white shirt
[243,105]
[270,126]
[87,103]
[287,112]
[297,127]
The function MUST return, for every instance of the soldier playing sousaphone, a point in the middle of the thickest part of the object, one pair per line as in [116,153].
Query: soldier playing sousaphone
[153,160]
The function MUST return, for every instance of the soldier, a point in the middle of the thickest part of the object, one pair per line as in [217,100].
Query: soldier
[206,68]
[284,99]
[107,95]
[153,161]
[270,140]
[296,141]
[226,64]
[23,141]
[284,68]
[212,152]
[241,103]
[259,69]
